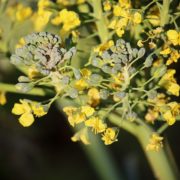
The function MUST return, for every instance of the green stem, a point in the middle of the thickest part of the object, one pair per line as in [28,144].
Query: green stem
[160,162]
[101,21]
[164,13]
[35,91]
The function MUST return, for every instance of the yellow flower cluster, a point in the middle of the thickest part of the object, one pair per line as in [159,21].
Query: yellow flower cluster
[2,98]
[27,110]
[170,114]
[19,12]
[168,82]
[86,114]
[69,20]
[123,16]
[168,110]
[155,143]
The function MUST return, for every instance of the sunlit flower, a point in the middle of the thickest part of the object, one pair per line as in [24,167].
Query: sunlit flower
[23,12]
[107,5]
[38,109]
[109,136]
[97,125]
[152,115]
[173,37]
[166,51]
[81,84]
[24,109]
[68,23]
[168,81]
[137,18]
[155,143]
[87,110]
[93,97]
[174,56]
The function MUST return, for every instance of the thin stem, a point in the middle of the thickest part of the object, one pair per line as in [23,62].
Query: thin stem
[162,128]
[34,92]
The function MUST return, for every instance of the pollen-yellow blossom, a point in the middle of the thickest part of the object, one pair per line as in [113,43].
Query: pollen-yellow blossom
[38,109]
[93,97]
[166,51]
[168,81]
[97,125]
[23,12]
[26,119]
[107,5]
[169,117]
[2,98]
[103,47]
[155,143]
[68,23]
[81,84]
[24,109]
[109,136]
[174,57]
[173,37]
[87,110]
[137,18]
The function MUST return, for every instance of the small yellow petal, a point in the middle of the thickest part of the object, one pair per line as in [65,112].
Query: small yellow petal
[26,119]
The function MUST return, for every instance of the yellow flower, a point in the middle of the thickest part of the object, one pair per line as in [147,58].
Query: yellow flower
[117,10]
[81,84]
[68,23]
[137,18]
[38,109]
[107,5]
[140,43]
[109,136]
[93,97]
[125,3]
[20,43]
[169,117]
[85,72]
[41,18]
[155,143]
[33,73]
[173,37]
[168,81]
[166,51]
[23,109]
[87,110]
[2,98]
[76,118]
[26,119]
[97,124]
[152,115]
[69,110]
[43,3]
[120,32]
[23,12]
[103,47]
[82,135]
[174,56]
